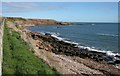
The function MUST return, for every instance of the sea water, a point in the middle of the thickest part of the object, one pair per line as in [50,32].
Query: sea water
[99,36]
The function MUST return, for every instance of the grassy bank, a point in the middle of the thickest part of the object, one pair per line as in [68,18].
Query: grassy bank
[18,59]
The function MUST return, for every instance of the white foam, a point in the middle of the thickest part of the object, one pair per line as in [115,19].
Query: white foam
[103,51]
[118,66]
[56,35]
[53,33]
[107,34]
[109,53]
[63,39]
[59,38]
[71,42]
[42,33]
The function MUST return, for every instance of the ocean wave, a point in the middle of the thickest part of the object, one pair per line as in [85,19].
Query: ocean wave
[107,35]
[52,33]
[56,35]
[59,38]
[108,53]
[63,39]
[43,33]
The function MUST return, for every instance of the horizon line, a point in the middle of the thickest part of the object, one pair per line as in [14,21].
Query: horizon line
[62,21]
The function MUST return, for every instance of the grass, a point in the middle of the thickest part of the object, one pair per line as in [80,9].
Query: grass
[18,59]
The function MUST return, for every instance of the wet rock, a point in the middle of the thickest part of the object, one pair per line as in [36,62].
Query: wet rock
[48,34]
[117,56]
[117,62]
[60,47]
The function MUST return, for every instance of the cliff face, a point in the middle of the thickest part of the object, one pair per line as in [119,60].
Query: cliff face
[35,22]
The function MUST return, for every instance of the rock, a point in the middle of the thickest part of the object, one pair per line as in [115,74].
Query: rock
[117,61]
[41,47]
[48,34]
[50,43]
[64,23]
[117,56]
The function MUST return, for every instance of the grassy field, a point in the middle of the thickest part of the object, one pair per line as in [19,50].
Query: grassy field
[18,59]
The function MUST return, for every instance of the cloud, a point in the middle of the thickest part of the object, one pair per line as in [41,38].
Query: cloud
[16,7]
[11,7]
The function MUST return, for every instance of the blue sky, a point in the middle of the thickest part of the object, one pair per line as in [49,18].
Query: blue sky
[63,11]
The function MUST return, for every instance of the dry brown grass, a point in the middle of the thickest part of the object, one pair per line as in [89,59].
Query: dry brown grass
[0,18]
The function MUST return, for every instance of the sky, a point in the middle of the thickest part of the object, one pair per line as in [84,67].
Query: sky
[63,11]
[60,0]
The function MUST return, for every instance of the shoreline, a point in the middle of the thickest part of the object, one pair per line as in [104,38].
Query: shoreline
[108,52]
[46,47]
[97,55]
[94,57]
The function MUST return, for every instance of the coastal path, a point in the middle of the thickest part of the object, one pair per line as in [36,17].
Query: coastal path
[1,43]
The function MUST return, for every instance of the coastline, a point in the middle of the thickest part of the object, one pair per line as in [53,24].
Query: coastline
[84,58]
[36,22]
[66,58]
[57,42]
[111,53]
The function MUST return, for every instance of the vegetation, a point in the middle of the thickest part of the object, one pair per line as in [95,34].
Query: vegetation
[19,60]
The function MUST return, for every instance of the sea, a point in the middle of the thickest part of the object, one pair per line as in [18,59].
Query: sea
[102,37]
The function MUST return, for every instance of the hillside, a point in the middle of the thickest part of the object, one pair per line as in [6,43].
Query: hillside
[35,22]
[18,58]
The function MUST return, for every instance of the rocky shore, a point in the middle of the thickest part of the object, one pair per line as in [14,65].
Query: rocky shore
[60,47]
[51,44]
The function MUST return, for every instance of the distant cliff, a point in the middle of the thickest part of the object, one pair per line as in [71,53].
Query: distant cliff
[35,22]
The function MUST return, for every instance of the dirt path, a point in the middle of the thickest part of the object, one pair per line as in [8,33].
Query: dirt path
[1,44]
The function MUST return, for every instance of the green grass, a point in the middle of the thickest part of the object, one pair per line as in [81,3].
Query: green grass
[18,59]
